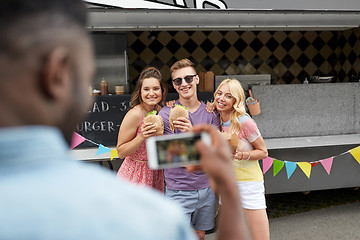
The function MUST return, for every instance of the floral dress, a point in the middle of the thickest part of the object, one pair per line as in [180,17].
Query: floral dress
[135,168]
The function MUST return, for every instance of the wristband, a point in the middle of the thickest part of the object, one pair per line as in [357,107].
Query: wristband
[248,157]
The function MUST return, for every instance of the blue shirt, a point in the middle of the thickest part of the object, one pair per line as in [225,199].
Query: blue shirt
[44,194]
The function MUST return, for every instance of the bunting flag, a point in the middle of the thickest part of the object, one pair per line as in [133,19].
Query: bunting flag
[114,154]
[102,149]
[76,140]
[355,152]
[313,164]
[278,165]
[327,164]
[267,163]
[306,167]
[290,168]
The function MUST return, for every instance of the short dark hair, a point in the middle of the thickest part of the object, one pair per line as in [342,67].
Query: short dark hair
[19,19]
[11,10]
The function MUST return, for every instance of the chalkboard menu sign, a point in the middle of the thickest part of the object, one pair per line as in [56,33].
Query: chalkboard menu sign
[106,114]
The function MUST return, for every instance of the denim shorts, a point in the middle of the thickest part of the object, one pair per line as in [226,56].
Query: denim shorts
[199,206]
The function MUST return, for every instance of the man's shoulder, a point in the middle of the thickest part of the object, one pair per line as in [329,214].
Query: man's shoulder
[214,114]
[165,109]
[143,204]
[86,191]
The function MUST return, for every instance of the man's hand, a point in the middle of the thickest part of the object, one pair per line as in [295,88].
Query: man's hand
[216,160]
[183,124]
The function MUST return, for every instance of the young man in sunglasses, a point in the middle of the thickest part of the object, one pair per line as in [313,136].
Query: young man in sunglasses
[191,190]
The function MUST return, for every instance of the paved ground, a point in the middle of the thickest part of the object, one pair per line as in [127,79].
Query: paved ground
[337,222]
[328,214]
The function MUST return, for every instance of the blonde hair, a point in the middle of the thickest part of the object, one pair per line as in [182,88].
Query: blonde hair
[237,92]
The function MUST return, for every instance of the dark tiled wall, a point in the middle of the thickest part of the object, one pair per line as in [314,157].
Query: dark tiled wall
[288,56]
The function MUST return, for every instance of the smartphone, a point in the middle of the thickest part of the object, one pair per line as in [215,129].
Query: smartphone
[175,150]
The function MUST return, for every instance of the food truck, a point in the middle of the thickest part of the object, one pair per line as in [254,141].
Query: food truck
[300,59]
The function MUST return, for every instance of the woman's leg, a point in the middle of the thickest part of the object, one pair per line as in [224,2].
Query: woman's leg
[258,223]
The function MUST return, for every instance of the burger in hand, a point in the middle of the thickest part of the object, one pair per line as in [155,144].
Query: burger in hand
[151,117]
[177,111]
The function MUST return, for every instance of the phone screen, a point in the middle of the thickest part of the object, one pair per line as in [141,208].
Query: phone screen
[177,151]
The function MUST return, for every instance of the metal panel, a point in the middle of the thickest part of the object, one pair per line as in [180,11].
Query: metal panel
[344,173]
[138,19]
[246,80]
[232,4]
[297,110]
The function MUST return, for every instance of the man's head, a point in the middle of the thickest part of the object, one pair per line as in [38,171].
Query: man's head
[46,63]
[184,78]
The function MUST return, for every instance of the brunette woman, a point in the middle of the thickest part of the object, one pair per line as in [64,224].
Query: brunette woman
[149,94]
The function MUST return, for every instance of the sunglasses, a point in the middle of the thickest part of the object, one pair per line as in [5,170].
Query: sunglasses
[188,79]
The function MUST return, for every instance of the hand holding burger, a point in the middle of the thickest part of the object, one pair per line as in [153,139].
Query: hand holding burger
[175,113]
[151,117]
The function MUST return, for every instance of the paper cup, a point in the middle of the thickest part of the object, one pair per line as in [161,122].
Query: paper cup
[254,108]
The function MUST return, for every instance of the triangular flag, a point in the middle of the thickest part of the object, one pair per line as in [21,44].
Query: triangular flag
[356,153]
[76,140]
[114,154]
[290,168]
[267,163]
[327,163]
[306,167]
[102,149]
[278,165]
[313,164]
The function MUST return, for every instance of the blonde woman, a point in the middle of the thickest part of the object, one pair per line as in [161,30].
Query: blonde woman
[229,100]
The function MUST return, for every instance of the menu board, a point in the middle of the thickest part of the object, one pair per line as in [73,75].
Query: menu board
[104,118]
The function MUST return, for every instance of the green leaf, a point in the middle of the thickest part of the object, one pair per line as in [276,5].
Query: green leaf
[152,113]
[178,105]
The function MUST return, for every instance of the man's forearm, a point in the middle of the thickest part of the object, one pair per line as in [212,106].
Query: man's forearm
[231,222]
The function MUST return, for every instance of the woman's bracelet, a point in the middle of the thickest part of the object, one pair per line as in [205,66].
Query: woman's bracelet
[248,157]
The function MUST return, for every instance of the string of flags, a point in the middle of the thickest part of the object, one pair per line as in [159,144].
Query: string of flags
[277,164]
[77,139]
[306,167]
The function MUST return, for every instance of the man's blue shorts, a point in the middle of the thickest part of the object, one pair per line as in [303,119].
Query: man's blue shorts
[199,206]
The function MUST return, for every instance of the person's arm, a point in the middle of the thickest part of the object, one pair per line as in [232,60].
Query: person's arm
[170,103]
[128,142]
[210,107]
[260,151]
[253,135]
[216,161]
